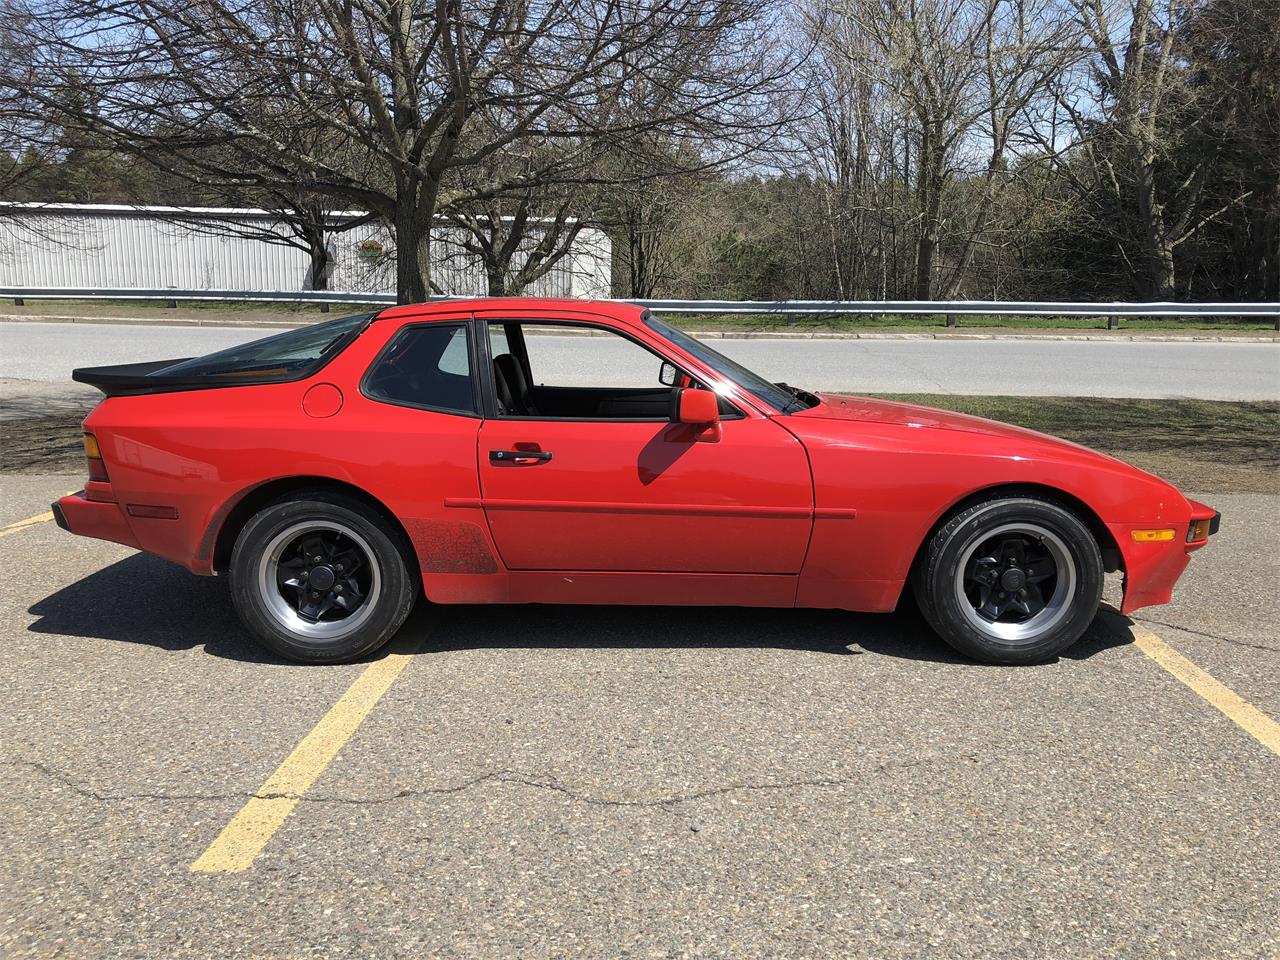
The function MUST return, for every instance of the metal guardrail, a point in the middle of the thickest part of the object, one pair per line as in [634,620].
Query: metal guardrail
[171,294]
[946,308]
[1025,308]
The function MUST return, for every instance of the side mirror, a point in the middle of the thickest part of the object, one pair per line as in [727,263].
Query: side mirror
[699,408]
[668,374]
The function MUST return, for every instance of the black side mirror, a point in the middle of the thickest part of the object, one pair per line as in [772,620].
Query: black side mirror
[667,374]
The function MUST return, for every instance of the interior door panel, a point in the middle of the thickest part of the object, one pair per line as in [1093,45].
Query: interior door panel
[604,402]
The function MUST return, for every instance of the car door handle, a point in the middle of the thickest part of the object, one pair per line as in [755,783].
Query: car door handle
[519,457]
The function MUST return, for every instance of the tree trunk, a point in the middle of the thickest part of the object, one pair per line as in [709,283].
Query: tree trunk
[318,273]
[1155,236]
[924,263]
[413,252]
[932,173]
[496,277]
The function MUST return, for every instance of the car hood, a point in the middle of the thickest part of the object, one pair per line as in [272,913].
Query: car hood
[870,410]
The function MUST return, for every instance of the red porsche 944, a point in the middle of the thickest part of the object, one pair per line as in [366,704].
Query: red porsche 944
[457,449]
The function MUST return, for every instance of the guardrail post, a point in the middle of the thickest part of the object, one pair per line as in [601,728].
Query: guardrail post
[19,302]
[1113,322]
[324,308]
[171,304]
[1278,321]
[951,319]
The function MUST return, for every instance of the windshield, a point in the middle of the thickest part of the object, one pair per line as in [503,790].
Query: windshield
[285,356]
[775,395]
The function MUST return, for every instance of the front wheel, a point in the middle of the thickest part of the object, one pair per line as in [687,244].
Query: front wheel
[320,578]
[1012,580]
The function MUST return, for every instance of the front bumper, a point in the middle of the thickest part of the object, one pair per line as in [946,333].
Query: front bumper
[1201,511]
[1151,570]
[93,518]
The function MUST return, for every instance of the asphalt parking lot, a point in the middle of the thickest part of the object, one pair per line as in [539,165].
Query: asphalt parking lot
[602,782]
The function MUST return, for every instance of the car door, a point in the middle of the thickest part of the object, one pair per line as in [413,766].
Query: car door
[613,484]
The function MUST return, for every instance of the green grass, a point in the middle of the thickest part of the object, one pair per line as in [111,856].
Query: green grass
[755,323]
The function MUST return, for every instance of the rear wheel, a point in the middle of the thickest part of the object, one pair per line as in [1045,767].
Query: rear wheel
[1011,580]
[321,578]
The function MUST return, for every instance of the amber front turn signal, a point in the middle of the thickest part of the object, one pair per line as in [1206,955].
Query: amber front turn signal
[1199,530]
[1152,536]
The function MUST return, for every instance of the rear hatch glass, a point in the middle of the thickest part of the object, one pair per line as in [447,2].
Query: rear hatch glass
[285,356]
[292,355]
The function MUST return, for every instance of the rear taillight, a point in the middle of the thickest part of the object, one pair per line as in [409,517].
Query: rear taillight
[97,469]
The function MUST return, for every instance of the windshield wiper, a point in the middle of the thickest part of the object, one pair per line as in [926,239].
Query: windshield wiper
[803,398]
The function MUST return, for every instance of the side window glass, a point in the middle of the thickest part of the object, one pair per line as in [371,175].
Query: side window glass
[456,359]
[497,340]
[426,366]
[604,359]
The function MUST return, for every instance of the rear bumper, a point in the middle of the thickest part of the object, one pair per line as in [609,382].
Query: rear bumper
[93,518]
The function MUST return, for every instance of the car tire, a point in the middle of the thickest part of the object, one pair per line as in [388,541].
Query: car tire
[319,577]
[1010,580]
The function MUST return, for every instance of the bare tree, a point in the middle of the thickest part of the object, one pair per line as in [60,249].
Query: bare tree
[1120,110]
[27,140]
[849,141]
[967,75]
[520,235]
[296,219]
[407,92]
[519,247]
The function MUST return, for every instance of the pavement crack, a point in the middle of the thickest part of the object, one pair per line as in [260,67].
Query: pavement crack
[89,793]
[509,777]
[515,779]
[1209,636]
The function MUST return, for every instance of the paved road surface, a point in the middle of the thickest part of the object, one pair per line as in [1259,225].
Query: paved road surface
[1209,370]
[595,782]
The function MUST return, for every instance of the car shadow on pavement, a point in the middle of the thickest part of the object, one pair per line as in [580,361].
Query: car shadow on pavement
[902,634]
[834,632]
[143,599]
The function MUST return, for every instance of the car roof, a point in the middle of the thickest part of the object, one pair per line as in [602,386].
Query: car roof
[613,309]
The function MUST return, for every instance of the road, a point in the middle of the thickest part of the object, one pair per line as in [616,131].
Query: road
[47,352]
[595,782]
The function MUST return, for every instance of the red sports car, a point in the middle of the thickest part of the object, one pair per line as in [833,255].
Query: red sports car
[460,449]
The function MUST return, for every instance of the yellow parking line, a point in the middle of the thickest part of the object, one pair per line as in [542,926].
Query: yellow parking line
[30,521]
[249,831]
[1244,714]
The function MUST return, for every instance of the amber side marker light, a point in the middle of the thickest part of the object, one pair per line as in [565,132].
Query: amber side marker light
[1152,536]
[97,469]
[1199,530]
[152,511]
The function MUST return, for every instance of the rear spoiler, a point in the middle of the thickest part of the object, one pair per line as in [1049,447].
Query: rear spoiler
[132,379]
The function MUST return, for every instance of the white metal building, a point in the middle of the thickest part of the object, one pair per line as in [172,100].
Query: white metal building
[108,245]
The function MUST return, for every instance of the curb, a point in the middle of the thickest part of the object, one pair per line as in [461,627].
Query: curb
[1191,337]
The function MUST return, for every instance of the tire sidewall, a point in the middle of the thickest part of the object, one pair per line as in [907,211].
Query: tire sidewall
[392,606]
[942,608]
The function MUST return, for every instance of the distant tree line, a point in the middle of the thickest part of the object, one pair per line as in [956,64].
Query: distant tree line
[855,149]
